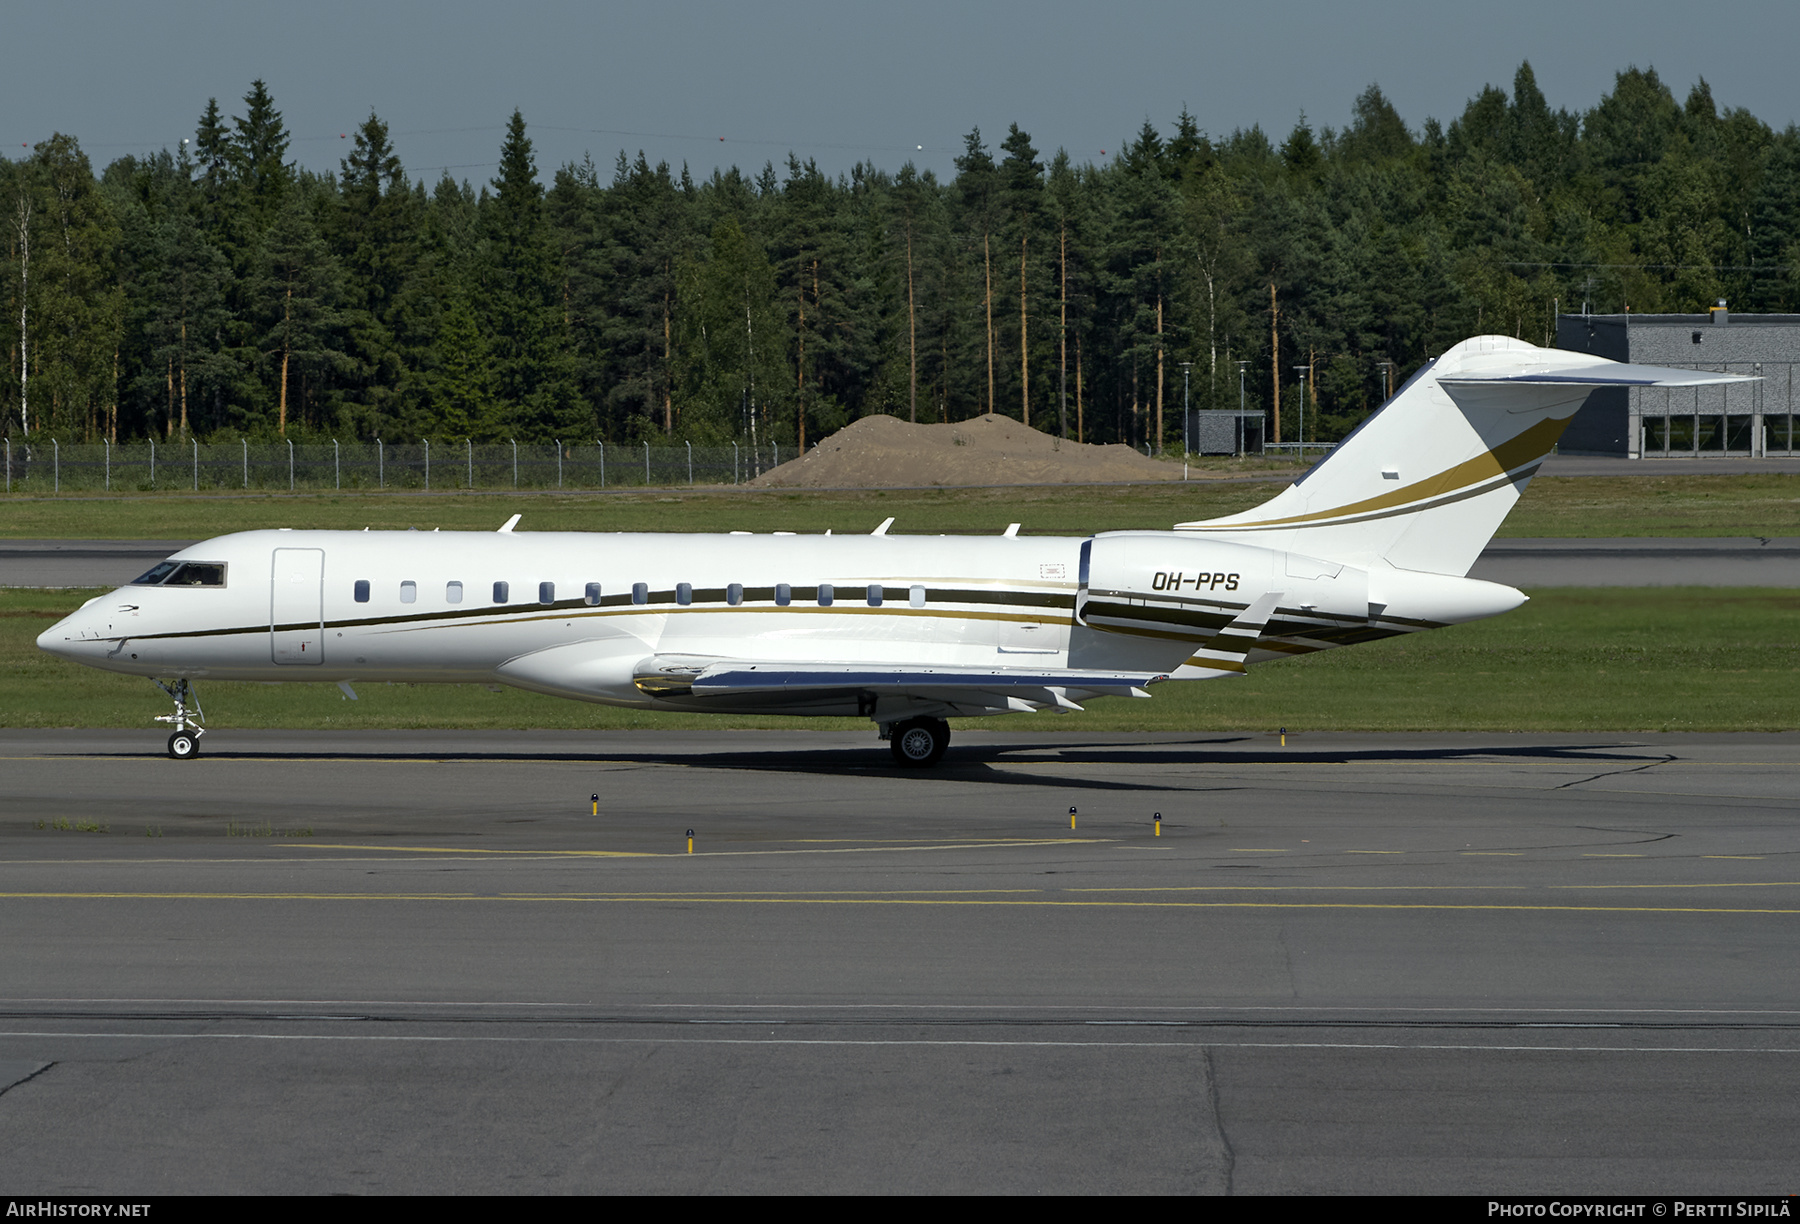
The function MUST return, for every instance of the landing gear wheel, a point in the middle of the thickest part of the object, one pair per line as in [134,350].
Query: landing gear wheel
[919,743]
[184,746]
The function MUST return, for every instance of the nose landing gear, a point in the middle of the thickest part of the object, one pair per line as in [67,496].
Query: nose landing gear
[184,744]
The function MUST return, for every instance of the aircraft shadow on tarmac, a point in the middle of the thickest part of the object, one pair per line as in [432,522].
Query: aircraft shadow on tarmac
[985,762]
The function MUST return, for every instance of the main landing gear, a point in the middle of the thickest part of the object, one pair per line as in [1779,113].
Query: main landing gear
[184,744]
[919,743]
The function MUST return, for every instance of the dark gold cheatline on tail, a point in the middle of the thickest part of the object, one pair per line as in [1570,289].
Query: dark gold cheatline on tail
[1471,478]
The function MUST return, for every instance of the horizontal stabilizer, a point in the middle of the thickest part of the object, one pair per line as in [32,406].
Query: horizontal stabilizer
[1612,374]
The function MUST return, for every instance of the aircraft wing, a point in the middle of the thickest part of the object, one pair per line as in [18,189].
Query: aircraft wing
[992,687]
[724,678]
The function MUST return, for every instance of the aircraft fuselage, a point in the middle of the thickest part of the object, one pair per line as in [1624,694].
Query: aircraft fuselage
[579,615]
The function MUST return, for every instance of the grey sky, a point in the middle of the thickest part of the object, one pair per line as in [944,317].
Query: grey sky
[839,82]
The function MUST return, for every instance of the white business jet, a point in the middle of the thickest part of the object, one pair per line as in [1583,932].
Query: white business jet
[907,631]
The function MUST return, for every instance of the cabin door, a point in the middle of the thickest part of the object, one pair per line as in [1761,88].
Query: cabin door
[297,607]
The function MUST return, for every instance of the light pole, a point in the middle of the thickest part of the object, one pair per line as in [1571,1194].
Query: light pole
[1387,379]
[1186,418]
[1301,439]
[1242,402]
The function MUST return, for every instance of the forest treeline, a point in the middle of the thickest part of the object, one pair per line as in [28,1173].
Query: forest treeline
[221,291]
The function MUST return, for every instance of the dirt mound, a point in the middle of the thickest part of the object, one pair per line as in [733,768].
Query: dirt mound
[886,452]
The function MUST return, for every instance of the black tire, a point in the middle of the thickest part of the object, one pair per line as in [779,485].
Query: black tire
[184,746]
[919,743]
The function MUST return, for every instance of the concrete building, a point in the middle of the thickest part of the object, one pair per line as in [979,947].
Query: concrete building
[1224,431]
[1753,419]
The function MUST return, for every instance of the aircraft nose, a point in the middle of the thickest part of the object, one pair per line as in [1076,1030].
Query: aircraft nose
[73,637]
[60,639]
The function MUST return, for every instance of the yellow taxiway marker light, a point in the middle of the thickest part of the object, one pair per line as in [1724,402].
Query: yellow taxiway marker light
[596,799]
[1071,818]
[690,836]
[1284,737]
[1159,824]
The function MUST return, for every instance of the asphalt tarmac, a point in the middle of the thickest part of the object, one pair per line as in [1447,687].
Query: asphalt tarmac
[404,962]
[1749,561]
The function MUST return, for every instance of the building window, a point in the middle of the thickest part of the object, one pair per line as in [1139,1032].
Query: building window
[453,592]
[784,594]
[362,590]
[409,591]
[640,593]
[592,598]
[501,591]
[826,594]
[734,594]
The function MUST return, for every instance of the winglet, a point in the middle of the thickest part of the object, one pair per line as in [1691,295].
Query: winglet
[510,524]
[885,524]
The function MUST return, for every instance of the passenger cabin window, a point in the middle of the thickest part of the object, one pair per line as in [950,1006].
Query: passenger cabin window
[592,598]
[546,592]
[453,592]
[501,591]
[874,594]
[784,594]
[826,594]
[362,590]
[409,592]
[916,596]
[684,593]
[640,593]
[734,594]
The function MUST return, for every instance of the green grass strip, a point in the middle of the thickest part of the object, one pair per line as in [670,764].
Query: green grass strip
[1663,502]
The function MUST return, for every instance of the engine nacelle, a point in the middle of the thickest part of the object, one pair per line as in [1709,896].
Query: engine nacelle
[1156,587]
[1134,581]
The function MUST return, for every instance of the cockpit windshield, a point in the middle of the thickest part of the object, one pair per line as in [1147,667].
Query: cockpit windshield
[184,573]
[162,570]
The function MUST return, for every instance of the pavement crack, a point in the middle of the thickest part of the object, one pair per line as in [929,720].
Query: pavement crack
[1644,836]
[25,1079]
[1227,1157]
[1616,773]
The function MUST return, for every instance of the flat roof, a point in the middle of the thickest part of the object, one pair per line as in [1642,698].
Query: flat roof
[1693,320]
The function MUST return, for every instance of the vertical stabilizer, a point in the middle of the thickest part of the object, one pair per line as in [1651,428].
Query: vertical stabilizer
[1425,482]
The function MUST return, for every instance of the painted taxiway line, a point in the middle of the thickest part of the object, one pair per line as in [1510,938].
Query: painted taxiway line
[766,899]
[866,1042]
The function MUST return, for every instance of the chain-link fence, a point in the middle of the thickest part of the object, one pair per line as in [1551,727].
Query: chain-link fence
[49,465]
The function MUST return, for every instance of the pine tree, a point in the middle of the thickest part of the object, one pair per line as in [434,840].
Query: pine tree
[1022,179]
[977,190]
[517,301]
[258,144]
[296,289]
[376,235]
